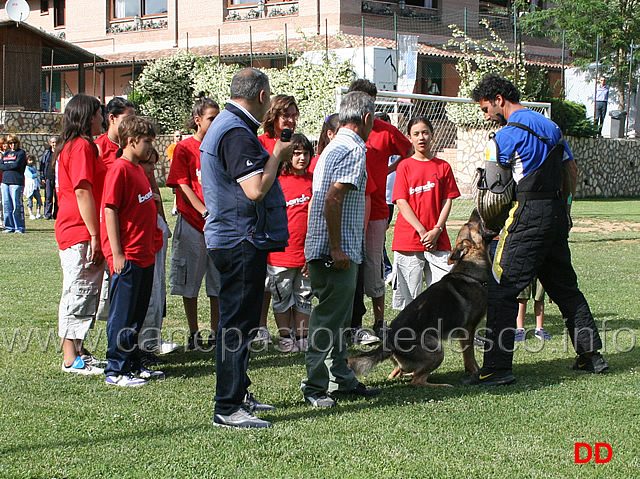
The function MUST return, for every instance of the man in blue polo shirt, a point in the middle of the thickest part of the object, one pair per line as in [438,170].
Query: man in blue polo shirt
[535,238]
[246,218]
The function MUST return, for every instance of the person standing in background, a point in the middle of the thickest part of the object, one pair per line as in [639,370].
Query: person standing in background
[13,164]
[602,99]
[48,181]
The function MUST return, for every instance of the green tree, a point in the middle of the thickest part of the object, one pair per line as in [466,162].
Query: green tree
[615,22]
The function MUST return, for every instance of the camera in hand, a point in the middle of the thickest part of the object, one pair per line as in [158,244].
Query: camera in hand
[286,135]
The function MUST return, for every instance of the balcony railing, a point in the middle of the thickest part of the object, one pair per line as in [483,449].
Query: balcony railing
[399,8]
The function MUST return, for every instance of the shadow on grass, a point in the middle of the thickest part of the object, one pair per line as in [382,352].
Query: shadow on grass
[395,394]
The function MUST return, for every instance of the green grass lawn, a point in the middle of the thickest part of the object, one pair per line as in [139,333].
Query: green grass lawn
[55,425]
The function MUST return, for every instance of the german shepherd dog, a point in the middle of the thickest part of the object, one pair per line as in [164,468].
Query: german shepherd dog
[448,309]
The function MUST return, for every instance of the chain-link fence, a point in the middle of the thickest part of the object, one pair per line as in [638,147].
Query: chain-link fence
[460,132]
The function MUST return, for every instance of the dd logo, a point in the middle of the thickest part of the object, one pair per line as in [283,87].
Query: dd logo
[597,447]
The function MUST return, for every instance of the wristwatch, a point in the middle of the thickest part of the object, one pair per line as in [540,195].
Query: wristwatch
[205,215]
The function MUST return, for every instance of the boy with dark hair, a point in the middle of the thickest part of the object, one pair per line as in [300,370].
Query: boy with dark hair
[129,235]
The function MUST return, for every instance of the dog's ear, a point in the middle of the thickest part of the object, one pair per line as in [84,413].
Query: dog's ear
[461,249]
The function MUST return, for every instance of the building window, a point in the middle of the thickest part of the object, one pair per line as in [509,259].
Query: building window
[58,13]
[44,6]
[141,8]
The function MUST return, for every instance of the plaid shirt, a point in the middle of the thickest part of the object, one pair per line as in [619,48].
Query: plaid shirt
[342,161]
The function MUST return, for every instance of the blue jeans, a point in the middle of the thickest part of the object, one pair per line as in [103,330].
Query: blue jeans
[243,269]
[13,209]
[129,297]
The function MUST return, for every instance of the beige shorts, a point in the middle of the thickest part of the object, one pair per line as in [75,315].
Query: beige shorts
[190,262]
[373,274]
[81,283]
[289,288]
[534,290]
[411,269]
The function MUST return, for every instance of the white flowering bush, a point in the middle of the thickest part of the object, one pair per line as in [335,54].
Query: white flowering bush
[167,88]
[480,57]
[313,87]
[164,90]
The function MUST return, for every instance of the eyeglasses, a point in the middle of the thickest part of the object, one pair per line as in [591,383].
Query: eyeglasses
[290,117]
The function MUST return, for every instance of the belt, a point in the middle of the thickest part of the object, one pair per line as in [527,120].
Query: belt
[537,195]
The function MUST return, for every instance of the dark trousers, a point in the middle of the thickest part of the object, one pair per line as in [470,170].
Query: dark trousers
[50,200]
[359,309]
[601,111]
[129,297]
[535,242]
[242,272]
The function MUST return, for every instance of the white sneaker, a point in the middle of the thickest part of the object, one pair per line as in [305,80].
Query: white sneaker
[124,380]
[363,337]
[302,344]
[167,347]
[32,217]
[90,360]
[38,216]
[79,367]
[144,373]
[288,345]
[263,336]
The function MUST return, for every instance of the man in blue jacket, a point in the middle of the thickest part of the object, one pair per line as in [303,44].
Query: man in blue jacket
[246,218]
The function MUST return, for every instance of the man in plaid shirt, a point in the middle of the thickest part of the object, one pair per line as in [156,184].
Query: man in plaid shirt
[334,249]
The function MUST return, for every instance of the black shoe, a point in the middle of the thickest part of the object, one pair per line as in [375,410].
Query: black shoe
[150,359]
[196,342]
[360,390]
[240,419]
[212,341]
[251,404]
[490,377]
[593,363]
[378,329]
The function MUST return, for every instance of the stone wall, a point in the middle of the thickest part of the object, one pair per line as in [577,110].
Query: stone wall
[29,122]
[606,167]
[37,143]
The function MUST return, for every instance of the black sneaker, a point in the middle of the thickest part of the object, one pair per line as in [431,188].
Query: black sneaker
[360,390]
[594,364]
[490,377]
[378,329]
[251,404]
[150,359]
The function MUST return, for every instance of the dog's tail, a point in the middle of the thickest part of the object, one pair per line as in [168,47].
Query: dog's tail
[365,362]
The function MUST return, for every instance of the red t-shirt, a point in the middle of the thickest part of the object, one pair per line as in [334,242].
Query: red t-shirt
[108,149]
[384,141]
[78,161]
[185,170]
[268,142]
[297,194]
[424,184]
[127,189]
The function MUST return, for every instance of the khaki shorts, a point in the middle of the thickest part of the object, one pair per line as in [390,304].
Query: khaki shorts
[190,262]
[81,282]
[534,290]
[373,273]
[289,288]
[411,269]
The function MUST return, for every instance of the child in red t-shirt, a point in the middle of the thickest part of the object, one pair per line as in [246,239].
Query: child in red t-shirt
[287,271]
[423,191]
[189,259]
[129,235]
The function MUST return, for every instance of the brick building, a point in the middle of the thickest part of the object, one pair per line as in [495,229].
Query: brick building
[265,33]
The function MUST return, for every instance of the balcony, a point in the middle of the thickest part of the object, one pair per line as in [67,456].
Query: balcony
[260,10]
[399,8]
